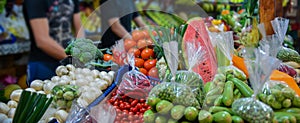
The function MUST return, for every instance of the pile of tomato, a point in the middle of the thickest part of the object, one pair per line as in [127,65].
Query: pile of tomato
[141,45]
[128,110]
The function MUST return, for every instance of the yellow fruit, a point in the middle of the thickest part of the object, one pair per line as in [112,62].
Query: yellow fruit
[9,89]
[22,82]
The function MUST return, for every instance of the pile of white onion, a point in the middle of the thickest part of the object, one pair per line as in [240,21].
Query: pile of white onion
[91,84]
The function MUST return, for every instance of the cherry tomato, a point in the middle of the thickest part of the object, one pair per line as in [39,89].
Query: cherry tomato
[107,57]
[137,35]
[138,106]
[135,51]
[147,53]
[142,100]
[143,70]
[141,44]
[139,62]
[122,106]
[128,43]
[130,100]
[133,103]
[149,64]
[146,34]
[111,101]
[116,103]
[153,72]
[130,113]
[135,110]
[142,110]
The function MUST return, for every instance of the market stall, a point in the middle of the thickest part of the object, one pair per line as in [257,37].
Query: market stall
[233,68]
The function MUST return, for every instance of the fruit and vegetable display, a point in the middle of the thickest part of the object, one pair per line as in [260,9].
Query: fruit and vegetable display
[184,72]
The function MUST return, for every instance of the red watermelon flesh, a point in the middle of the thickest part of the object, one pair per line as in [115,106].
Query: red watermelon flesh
[196,31]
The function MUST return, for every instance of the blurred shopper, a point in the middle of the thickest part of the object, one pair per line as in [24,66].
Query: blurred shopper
[50,25]
[116,17]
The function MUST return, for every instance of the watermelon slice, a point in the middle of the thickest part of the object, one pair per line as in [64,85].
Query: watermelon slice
[196,33]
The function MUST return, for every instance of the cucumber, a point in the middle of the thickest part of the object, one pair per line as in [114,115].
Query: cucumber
[287,103]
[296,115]
[191,113]
[291,110]
[149,116]
[177,112]
[237,119]
[160,119]
[282,116]
[205,117]
[216,109]
[163,107]
[242,86]
[228,93]
[222,117]
[218,101]
[207,87]
[172,121]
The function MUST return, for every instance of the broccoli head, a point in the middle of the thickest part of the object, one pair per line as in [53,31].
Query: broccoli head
[84,50]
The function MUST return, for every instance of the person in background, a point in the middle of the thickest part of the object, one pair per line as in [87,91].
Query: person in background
[116,16]
[50,25]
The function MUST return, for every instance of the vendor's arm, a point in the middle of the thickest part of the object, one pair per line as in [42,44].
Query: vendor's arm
[139,21]
[77,22]
[43,40]
[118,29]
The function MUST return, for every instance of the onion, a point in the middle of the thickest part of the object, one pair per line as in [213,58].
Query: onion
[37,84]
[12,104]
[102,74]
[79,76]
[70,67]
[89,78]
[66,78]
[81,82]
[112,74]
[101,84]
[95,73]
[11,113]
[30,89]
[78,71]
[61,70]
[55,78]
[2,117]
[63,82]
[4,108]
[8,120]
[15,95]
[48,87]
[72,75]
[61,115]
[108,79]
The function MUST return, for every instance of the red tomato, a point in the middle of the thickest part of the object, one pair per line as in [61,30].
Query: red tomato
[143,70]
[146,33]
[141,44]
[135,110]
[147,53]
[116,103]
[149,64]
[153,72]
[133,103]
[128,43]
[142,100]
[149,42]
[138,106]
[135,51]
[107,57]
[139,62]
[137,35]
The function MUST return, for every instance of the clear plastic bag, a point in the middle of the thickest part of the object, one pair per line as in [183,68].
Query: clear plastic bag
[260,66]
[134,83]
[101,113]
[279,95]
[189,77]
[180,92]
[224,46]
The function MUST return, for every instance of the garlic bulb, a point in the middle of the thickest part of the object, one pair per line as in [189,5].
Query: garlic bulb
[30,89]
[70,67]
[16,94]
[11,112]
[61,70]
[61,115]
[55,79]
[12,104]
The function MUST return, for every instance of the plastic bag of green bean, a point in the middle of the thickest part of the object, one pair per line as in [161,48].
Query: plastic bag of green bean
[260,66]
